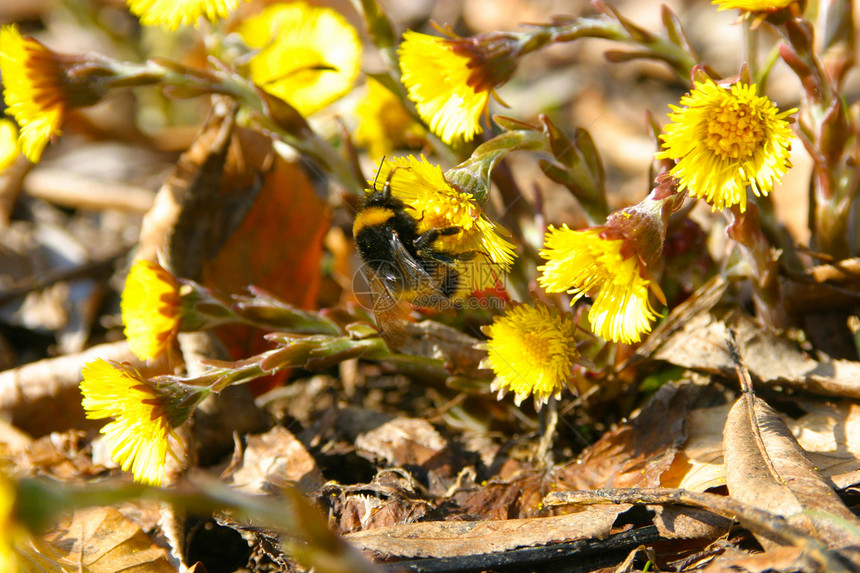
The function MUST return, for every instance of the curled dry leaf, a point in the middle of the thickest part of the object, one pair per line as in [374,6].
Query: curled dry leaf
[772,359]
[273,460]
[456,538]
[828,433]
[636,453]
[96,540]
[798,492]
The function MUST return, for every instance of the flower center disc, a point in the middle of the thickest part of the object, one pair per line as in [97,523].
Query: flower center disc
[734,131]
[537,348]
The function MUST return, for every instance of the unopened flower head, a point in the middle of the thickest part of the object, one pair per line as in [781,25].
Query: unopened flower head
[724,139]
[145,414]
[308,56]
[611,264]
[384,124]
[170,14]
[532,351]
[151,309]
[9,149]
[437,204]
[40,85]
[451,79]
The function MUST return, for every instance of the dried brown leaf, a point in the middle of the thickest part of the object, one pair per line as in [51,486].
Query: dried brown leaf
[96,540]
[772,359]
[678,522]
[411,443]
[519,497]
[779,559]
[829,433]
[798,492]
[635,454]
[273,460]
[455,538]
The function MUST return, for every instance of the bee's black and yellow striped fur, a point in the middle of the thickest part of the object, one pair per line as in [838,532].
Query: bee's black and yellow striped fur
[402,265]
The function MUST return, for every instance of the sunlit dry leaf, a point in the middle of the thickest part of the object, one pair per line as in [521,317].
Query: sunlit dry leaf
[678,522]
[449,539]
[96,540]
[824,287]
[797,492]
[829,433]
[700,345]
[274,459]
[411,442]
[636,453]
[519,497]
[779,559]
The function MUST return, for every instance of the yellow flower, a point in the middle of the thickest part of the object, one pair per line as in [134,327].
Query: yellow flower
[384,124]
[753,5]
[151,309]
[171,14]
[308,56]
[436,204]
[450,81]
[532,350]
[587,262]
[724,139]
[9,150]
[145,414]
[33,90]
[10,529]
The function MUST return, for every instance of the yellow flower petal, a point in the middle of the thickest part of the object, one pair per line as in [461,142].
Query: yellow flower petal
[9,150]
[139,435]
[585,263]
[437,80]
[725,139]
[151,309]
[32,88]
[753,5]
[308,56]
[171,14]
[532,350]
[10,530]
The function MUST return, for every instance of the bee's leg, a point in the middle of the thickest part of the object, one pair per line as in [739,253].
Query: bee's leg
[427,238]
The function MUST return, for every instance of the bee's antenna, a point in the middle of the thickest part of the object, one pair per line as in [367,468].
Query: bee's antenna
[378,171]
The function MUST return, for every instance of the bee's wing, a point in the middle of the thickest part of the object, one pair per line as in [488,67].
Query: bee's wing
[416,279]
[391,310]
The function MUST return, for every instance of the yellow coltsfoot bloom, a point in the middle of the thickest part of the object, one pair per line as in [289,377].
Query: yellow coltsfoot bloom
[451,79]
[724,139]
[531,350]
[145,414]
[170,14]
[39,88]
[10,529]
[384,124]
[151,309]
[585,262]
[9,150]
[753,5]
[436,204]
[308,56]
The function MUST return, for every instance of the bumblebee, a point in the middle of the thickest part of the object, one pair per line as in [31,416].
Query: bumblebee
[401,264]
